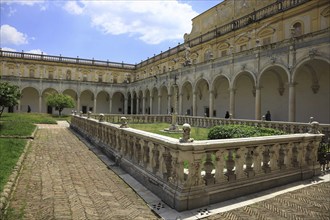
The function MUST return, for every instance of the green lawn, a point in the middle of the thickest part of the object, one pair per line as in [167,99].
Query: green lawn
[17,124]
[158,128]
[10,151]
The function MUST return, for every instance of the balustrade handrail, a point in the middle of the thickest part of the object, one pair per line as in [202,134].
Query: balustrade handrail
[172,168]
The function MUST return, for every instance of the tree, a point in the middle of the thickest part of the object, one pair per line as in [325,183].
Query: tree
[9,95]
[60,102]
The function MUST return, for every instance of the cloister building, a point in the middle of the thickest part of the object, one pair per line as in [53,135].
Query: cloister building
[245,57]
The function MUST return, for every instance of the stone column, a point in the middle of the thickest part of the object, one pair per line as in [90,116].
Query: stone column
[126,106]
[150,104]
[78,103]
[211,103]
[194,104]
[292,102]
[232,102]
[180,103]
[40,103]
[258,104]
[132,104]
[169,103]
[110,105]
[143,105]
[94,105]
[137,104]
[159,101]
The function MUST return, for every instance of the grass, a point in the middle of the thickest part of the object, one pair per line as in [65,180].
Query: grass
[158,128]
[10,151]
[18,124]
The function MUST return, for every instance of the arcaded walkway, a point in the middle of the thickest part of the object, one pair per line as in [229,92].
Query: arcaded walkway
[62,179]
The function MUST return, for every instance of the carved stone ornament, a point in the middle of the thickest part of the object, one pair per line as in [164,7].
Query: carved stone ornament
[186,128]
[312,53]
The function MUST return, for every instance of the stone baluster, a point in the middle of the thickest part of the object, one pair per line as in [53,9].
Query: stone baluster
[301,153]
[281,156]
[274,156]
[194,177]
[208,167]
[219,165]
[266,159]
[162,164]
[257,158]
[249,161]
[239,163]
[141,152]
[151,163]
[288,155]
[230,164]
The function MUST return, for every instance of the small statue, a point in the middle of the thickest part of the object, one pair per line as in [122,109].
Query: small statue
[123,122]
[89,114]
[101,117]
[186,128]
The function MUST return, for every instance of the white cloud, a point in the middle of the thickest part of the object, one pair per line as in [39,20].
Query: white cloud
[23,2]
[8,49]
[36,51]
[151,21]
[73,8]
[9,35]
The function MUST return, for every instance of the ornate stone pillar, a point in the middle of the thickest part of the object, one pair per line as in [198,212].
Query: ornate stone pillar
[292,102]
[169,103]
[211,103]
[258,104]
[232,102]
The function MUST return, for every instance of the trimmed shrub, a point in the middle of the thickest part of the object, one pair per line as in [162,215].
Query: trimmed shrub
[240,131]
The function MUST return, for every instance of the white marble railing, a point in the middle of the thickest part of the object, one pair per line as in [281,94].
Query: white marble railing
[182,173]
[288,127]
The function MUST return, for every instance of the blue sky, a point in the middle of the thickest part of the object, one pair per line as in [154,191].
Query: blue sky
[117,31]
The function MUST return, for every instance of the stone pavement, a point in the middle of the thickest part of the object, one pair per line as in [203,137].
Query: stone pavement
[64,179]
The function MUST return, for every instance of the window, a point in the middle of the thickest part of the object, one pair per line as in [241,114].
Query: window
[85,77]
[100,78]
[68,75]
[266,41]
[50,75]
[31,73]
[223,53]
[297,29]
[115,79]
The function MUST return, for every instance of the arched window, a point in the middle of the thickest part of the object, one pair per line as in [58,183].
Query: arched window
[31,73]
[68,75]
[297,29]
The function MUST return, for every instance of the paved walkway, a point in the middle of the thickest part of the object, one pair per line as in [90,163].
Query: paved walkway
[64,179]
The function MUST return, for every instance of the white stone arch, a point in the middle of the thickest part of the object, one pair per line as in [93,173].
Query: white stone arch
[30,97]
[243,87]
[164,94]
[221,95]
[311,82]
[154,95]
[87,97]
[186,93]
[72,93]
[273,84]
[201,91]
[276,65]
[102,102]
[45,93]
[118,102]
